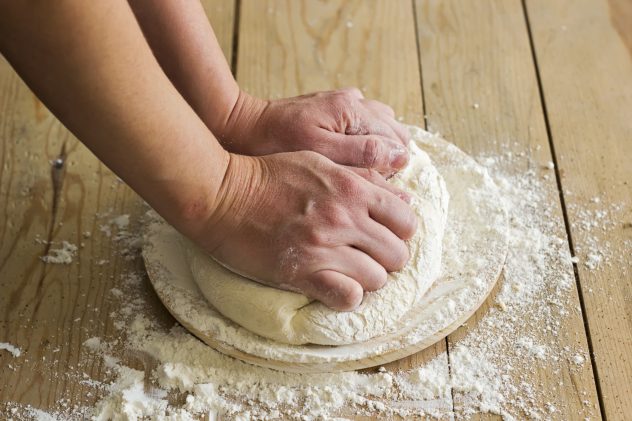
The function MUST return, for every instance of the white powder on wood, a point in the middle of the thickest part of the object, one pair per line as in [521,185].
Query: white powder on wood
[12,349]
[488,368]
[63,255]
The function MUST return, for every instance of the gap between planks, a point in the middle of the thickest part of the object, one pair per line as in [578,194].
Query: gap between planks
[567,226]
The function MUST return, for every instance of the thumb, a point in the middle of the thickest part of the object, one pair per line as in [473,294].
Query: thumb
[365,151]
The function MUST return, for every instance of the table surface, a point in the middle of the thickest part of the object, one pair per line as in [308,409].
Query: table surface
[555,77]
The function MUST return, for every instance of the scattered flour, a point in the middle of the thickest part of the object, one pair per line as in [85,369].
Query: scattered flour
[578,359]
[532,348]
[486,370]
[12,349]
[121,222]
[63,255]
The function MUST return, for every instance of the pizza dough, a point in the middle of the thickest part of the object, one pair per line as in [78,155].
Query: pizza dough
[292,318]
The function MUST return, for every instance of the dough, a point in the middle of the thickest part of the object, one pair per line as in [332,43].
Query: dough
[292,318]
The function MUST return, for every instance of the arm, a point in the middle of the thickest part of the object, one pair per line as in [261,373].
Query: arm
[342,125]
[185,45]
[294,220]
[108,89]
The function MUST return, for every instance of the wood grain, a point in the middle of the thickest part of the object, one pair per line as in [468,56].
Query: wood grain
[479,53]
[49,307]
[221,13]
[289,48]
[471,52]
[584,55]
[49,310]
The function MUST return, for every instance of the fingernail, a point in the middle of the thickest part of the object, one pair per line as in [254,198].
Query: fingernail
[398,157]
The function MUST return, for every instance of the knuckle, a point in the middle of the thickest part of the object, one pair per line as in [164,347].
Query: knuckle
[337,216]
[316,236]
[341,102]
[354,92]
[370,174]
[381,201]
[310,157]
[370,152]
[347,90]
[349,183]
[348,95]
[365,173]
[377,178]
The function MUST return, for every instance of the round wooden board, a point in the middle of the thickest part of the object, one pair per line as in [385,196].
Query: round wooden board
[476,232]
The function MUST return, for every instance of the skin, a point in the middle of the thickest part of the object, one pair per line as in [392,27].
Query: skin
[318,219]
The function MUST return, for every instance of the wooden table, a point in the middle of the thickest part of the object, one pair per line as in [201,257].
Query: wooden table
[553,76]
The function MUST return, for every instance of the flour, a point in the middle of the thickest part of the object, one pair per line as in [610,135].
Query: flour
[63,255]
[487,370]
[532,348]
[121,222]
[12,349]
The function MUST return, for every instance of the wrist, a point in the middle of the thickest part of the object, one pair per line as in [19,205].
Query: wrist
[236,198]
[242,123]
[190,196]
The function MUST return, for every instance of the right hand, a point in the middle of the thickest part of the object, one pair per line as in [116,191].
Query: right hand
[341,125]
[298,221]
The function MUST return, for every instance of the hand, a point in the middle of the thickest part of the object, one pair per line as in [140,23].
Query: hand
[300,222]
[341,125]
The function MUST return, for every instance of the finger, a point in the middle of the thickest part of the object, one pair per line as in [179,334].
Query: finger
[372,122]
[387,115]
[392,212]
[379,180]
[401,131]
[334,289]
[359,266]
[383,246]
[389,127]
[365,151]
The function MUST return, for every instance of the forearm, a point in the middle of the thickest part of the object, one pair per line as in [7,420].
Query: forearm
[90,65]
[185,45]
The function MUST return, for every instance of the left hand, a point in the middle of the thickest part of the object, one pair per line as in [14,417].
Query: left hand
[341,125]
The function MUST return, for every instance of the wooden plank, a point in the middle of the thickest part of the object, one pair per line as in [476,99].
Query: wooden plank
[584,51]
[221,13]
[290,48]
[295,47]
[481,91]
[48,311]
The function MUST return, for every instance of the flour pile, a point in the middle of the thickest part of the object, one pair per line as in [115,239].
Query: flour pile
[159,371]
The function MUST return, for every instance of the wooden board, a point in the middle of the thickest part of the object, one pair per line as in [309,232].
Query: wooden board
[584,56]
[168,268]
[479,53]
